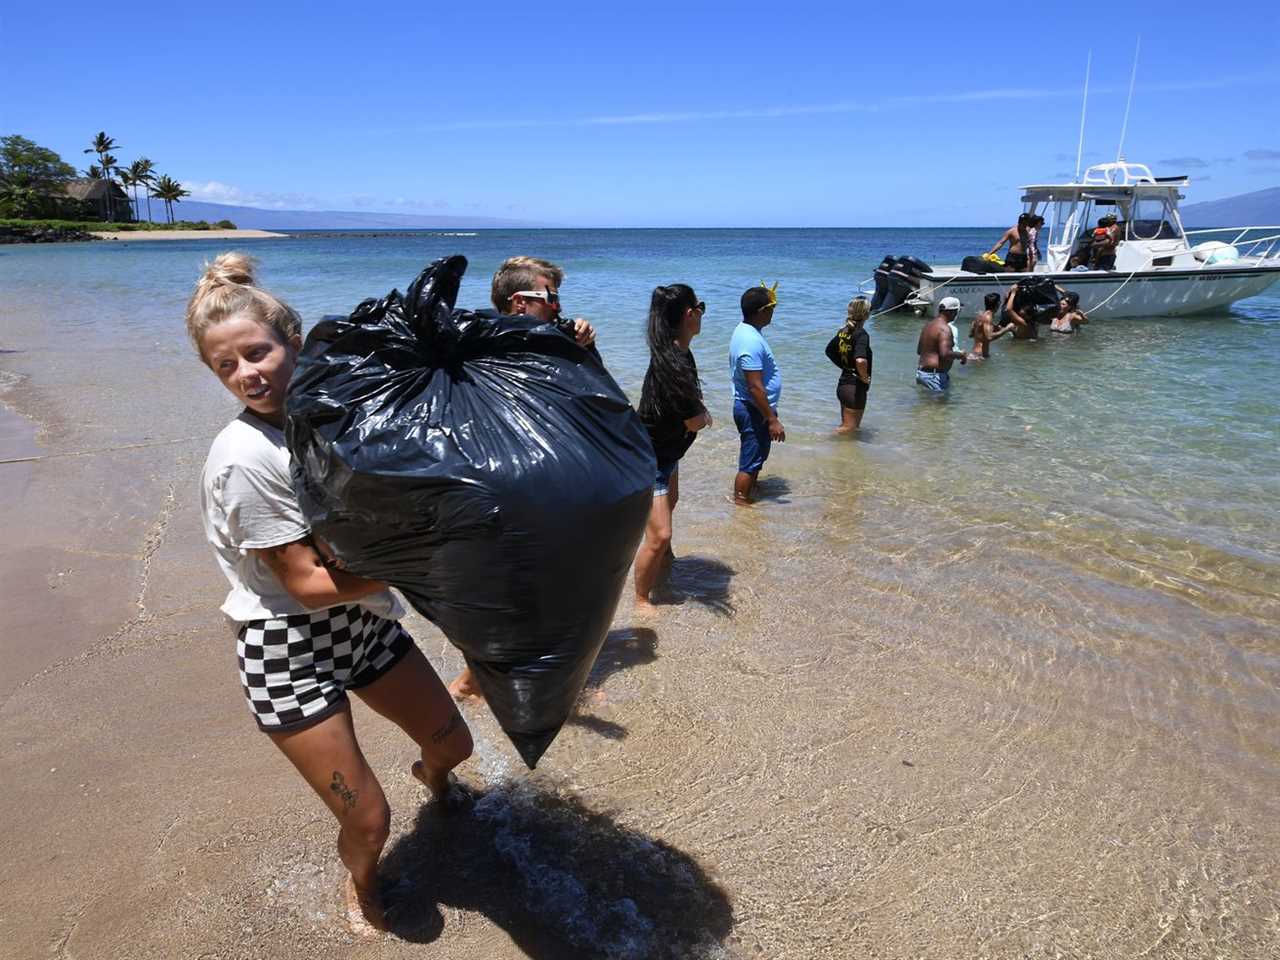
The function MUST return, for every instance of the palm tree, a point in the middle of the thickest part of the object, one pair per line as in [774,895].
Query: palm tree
[143,171]
[110,167]
[127,180]
[171,192]
[102,145]
[93,172]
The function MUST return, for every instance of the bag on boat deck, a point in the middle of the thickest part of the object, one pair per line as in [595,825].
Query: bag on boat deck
[981,265]
[490,469]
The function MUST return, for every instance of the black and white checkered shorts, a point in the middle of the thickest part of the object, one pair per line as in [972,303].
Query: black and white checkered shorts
[296,670]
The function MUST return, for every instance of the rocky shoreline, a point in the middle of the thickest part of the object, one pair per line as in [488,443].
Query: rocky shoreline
[12,234]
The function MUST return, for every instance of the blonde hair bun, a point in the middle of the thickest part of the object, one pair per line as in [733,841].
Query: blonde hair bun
[231,267]
[228,287]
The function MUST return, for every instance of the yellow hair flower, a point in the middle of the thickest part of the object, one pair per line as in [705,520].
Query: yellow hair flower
[773,292]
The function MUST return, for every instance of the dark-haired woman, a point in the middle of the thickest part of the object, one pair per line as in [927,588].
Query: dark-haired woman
[671,408]
[850,350]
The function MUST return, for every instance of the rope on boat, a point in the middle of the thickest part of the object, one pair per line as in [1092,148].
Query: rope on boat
[1144,265]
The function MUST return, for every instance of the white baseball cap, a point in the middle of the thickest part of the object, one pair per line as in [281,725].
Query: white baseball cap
[950,303]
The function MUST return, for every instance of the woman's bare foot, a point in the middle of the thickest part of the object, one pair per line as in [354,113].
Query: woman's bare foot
[643,608]
[442,784]
[464,687]
[365,915]
[844,430]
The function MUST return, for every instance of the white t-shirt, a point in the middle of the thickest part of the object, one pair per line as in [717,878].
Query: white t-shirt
[249,504]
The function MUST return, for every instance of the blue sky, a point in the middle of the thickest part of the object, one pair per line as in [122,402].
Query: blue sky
[648,114]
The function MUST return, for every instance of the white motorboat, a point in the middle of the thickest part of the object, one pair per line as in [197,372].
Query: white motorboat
[1161,270]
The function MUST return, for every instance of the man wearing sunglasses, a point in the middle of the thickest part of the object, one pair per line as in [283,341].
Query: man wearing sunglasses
[529,286]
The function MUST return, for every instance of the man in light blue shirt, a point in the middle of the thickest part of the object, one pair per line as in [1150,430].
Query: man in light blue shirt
[757,386]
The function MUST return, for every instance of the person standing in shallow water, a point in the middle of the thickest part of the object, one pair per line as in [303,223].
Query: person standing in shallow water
[936,348]
[672,410]
[850,350]
[983,331]
[757,387]
[307,632]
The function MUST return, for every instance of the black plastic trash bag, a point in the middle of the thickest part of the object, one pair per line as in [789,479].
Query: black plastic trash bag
[490,469]
[1039,297]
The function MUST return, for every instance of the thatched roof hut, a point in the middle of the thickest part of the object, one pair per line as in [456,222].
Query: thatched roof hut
[96,192]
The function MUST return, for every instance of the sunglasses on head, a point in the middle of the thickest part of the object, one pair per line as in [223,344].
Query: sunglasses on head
[700,306]
[547,296]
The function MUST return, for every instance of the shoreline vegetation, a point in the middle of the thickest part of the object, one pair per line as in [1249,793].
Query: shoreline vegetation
[43,199]
[83,231]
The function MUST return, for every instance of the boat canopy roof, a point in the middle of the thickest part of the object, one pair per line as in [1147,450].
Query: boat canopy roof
[1109,181]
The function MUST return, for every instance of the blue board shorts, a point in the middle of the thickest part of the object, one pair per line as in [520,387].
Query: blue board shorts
[753,437]
[935,381]
[662,482]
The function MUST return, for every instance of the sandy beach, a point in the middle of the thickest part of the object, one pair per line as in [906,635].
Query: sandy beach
[811,752]
[234,235]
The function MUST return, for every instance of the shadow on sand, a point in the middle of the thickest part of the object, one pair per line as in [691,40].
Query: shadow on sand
[773,489]
[564,882]
[702,580]
[623,649]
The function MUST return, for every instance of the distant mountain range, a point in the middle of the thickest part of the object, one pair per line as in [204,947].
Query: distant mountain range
[1262,207]
[259,218]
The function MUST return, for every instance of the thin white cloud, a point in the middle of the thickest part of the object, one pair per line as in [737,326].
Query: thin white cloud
[838,107]
[214,191]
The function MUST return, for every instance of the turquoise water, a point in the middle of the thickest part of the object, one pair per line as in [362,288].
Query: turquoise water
[1110,498]
[999,677]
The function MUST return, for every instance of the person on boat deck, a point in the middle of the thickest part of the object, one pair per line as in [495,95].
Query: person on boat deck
[1070,317]
[1016,259]
[983,332]
[1106,237]
[1034,223]
[937,348]
[1020,315]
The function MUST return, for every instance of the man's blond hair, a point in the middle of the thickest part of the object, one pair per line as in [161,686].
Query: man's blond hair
[521,273]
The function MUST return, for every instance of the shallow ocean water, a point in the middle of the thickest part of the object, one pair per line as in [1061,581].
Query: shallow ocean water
[1084,536]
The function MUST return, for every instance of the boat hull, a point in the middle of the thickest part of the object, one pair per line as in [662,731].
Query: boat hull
[1151,293]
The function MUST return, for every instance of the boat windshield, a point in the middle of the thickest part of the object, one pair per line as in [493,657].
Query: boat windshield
[1152,218]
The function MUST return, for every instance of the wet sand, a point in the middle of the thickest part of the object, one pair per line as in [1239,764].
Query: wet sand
[811,752]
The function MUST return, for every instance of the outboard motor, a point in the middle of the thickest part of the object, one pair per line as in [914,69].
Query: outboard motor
[882,283]
[897,278]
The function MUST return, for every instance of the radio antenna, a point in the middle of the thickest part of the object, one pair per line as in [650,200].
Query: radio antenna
[1134,76]
[1083,107]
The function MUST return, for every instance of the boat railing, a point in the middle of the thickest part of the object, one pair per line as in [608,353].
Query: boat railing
[1260,247]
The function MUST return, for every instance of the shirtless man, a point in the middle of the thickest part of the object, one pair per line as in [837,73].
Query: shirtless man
[982,331]
[937,348]
[1016,237]
[1070,317]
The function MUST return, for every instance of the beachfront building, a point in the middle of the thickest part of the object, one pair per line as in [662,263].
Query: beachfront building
[95,192]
